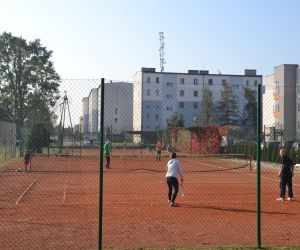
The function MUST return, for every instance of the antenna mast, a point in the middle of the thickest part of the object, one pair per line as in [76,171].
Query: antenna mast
[161,51]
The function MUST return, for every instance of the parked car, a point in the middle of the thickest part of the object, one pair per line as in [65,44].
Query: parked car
[270,144]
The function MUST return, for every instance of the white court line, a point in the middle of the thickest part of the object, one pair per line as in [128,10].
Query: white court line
[236,170]
[65,189]
[27,189]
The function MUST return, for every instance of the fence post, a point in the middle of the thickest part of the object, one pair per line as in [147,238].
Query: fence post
[258,129]
[101,144]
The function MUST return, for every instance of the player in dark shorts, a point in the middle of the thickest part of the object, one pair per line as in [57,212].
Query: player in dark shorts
[286,174]
[27,161]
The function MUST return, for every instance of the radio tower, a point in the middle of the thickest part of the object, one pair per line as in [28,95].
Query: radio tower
[161,51]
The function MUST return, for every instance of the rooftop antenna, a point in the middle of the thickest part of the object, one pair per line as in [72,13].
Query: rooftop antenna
[161,51]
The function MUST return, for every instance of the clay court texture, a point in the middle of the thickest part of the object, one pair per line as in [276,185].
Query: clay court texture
[56,205]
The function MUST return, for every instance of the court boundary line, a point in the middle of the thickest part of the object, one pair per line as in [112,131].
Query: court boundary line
[17,202]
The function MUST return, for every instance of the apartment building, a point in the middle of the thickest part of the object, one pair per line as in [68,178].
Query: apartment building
[281,103]
[118,108]
[158,95]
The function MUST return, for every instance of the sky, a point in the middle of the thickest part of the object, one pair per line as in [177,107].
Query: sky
[113,39]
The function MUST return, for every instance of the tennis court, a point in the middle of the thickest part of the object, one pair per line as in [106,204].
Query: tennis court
[56,204]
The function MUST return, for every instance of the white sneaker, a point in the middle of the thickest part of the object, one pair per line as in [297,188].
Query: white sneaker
[289,199]
[279,199]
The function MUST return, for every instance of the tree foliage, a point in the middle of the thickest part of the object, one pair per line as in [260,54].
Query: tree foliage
[26,73]
[39,137]
[227,112]
[176,121]
[208,107]
[250,108]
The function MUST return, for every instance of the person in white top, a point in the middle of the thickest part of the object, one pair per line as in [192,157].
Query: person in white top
[174,169]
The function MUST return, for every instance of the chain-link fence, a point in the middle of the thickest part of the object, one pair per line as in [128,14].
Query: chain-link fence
[60,195]
[8,142]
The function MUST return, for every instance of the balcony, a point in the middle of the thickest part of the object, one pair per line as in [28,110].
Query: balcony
[276,97]
[276,114]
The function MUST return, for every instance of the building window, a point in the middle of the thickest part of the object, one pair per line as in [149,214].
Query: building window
[148,116]
[247,82]
[236,86]
[195,105]
[181,93]
[224,81]
[148,79]
[156,117]
[195,93]
[169,108]
[157,92]
[116,111]
[169,84]
[169,96]
[181,80]
[116,120]
[157,80]
[181,105]
[148,92]
[255,82]
[210,82]
[195,81]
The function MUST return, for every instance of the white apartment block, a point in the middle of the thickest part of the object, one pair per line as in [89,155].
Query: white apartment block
[85,116]
[158,95]
[118,108]
[281,103]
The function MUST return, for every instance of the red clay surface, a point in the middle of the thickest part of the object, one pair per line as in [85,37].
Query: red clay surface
[56,205]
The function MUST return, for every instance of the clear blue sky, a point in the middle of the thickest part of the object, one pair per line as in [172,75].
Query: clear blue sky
[115,38]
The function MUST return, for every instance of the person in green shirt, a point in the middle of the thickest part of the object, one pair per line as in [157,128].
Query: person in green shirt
[107,149]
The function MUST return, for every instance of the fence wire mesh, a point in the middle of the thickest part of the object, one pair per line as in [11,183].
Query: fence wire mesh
[212,129]
[50,165]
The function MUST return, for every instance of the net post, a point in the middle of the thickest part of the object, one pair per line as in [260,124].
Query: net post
[258,131]
[101,145]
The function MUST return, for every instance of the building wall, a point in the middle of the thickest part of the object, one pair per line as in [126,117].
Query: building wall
[280,101]
[137,99]
[118,107]
[93,113]
[298,104]
[85,111]
[162,94]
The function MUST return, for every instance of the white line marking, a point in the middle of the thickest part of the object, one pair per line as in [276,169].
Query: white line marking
[236,170]
[27,190]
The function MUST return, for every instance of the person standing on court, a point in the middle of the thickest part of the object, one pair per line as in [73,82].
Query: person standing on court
[27,160]
[158,150]
[107,150]
[173,170]
[286,173]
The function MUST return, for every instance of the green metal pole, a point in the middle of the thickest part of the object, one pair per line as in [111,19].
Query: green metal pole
[258,166]
[101,164]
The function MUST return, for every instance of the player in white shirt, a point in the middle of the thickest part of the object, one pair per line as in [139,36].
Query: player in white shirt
[174,169]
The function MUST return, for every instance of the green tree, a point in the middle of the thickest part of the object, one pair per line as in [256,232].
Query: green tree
[176,121]
[250,108]
[25,68]
[227,107]
[39,137]
[208,107]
